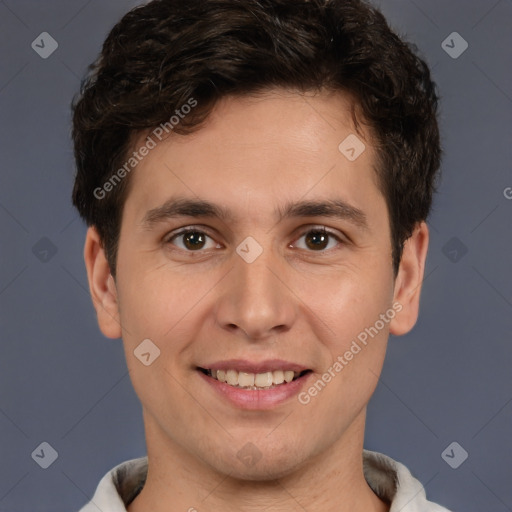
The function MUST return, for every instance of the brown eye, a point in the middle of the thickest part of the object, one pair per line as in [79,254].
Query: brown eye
[191,240]
[319,240]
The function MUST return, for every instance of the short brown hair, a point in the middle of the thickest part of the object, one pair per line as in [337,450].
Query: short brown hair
[165,52]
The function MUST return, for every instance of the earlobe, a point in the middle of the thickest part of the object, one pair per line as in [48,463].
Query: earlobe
[409,280]
[101,285]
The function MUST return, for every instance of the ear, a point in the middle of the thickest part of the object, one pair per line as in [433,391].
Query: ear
[101,285]
[409,280]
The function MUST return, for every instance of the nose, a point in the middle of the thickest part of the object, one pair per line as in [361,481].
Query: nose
[256,301]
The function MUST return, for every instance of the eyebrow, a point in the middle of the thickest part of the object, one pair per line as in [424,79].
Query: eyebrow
[185,207]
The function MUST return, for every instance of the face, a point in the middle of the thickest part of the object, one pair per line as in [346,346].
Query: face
[255,251]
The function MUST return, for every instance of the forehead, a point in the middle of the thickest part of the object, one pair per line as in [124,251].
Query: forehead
[259,147]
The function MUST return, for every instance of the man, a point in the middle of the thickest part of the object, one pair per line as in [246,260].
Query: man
[256,176]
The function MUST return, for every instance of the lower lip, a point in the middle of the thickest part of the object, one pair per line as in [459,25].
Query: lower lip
[252,399]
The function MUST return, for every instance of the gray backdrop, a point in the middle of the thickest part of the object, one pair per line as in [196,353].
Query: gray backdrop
[63,384]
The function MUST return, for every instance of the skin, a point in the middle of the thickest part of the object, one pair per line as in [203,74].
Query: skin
[296,302]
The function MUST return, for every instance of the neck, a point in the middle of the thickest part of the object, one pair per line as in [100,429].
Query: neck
[332,481]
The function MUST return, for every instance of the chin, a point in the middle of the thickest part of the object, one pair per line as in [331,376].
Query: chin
[251,464]
[263,472]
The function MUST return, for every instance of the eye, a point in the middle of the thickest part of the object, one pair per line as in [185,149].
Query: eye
[192,239]
[319,240]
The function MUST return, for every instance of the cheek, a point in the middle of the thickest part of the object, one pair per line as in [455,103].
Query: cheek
[355,341]
[348,302]
[355,354]
[156,303]
[169,310]
[361,320]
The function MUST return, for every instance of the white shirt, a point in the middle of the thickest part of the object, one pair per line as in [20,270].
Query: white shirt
[389,480]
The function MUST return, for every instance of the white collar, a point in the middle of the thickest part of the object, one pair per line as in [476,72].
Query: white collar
[388,479]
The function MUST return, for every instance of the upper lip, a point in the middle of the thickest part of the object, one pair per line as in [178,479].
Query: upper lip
[243,365]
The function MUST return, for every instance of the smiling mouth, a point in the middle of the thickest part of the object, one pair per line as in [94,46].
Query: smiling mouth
[254,381]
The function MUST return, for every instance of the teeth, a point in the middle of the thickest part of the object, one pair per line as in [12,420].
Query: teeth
[245,379]
[264,380]
[278,377]
[288,376]
[232,377]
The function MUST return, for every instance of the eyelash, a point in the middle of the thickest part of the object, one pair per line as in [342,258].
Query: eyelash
[315,229]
